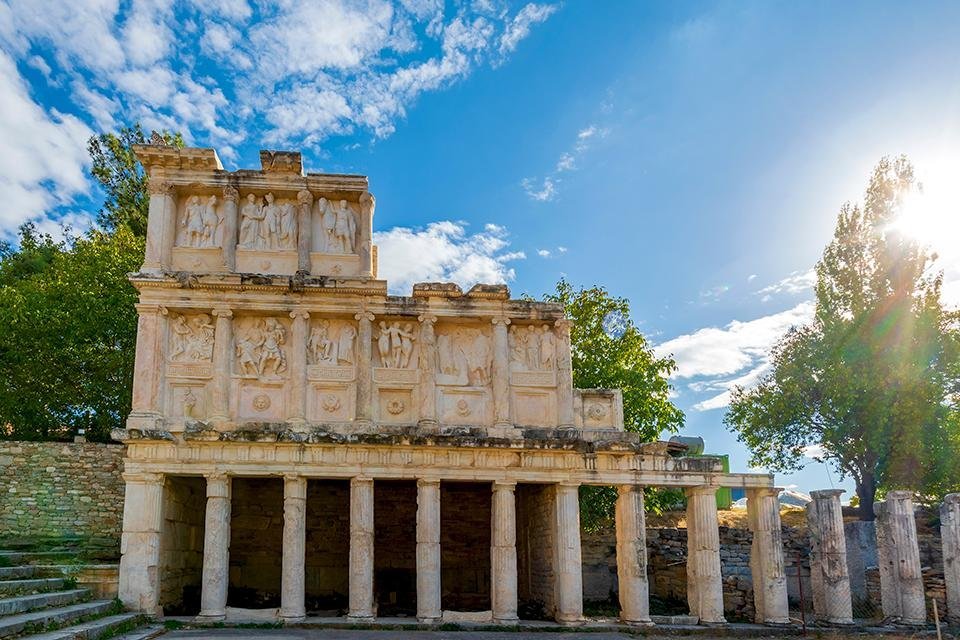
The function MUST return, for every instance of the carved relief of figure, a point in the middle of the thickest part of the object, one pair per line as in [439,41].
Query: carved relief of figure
[258,348]
[271,355]
[345,345]
[251,217]
[288,226]
[480,358]
[193,222]
[269,227]
[532,348]
[345,228]
[247,354]
[328,222]
[406,344]
[211,222]
[395,345]
[320,344]
[191,339]
[383,344]
[465,357]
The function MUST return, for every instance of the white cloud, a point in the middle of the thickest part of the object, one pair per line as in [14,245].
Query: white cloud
[519,27]
[444,251]
[543,253]
[546,189]
[543,192]
[796,282]
[43,155]
[814,451]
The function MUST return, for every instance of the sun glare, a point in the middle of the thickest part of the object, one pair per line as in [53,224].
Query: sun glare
[931,214]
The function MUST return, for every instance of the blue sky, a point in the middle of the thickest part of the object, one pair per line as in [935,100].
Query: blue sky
[689,156]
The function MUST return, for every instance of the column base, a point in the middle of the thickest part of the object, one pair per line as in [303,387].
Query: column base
[506,620]
[211,617]
[571,622]
[360,618]
[638,623]
[428,620]
[776,623]
[292,619]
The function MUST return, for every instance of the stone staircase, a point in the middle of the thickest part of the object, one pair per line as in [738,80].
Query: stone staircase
[39,601]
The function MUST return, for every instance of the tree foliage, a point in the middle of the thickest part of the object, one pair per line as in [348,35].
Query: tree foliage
[873,380]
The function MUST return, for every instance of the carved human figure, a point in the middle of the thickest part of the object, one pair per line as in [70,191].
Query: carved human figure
[258,348]
[271,355]
[548,348]
[211,223]
[247,345]
[345,345]
[345,228]
[320,344]
[189,403]
[180,335]
[383,344]
[193,222]
[406,344]
[287,227]
[533,348]
[328,222]
[269,227]
[480,358]
[191,339]
[251,217]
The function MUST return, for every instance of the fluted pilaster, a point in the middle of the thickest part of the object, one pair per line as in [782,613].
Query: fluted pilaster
[704,578]
[231,198]
[428,550]
[567,562]
[564,375]
[428,369]
[292,594]
[364,369]
[503,552]
[222,356]
[139,587]
[501,373]
[766,557]
[297,411]
[304,230]
[361,549]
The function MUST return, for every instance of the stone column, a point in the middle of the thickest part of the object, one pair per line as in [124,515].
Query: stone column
[230,199]
[361,549]
[704,578]
[428,550]
[564,375]
[222,356]
[139,587]
[304,229]
[162,208]
[950,535]
[632,556]
[567,563]
[829,577]
[766,557]
[216,549]
[503,552]
[364,415]
[146,405]
[501,374]
[901,579]
[428,372]
[292,604]
[364,231]
[297,411]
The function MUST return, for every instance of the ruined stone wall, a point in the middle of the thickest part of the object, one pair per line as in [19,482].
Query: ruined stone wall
[51,489]
[535,536]
[181,545]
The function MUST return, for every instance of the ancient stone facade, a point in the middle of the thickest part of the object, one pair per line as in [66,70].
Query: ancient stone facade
[270,358]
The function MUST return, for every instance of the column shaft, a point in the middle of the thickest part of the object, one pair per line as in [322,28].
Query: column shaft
[898,552]
[564,376]
[364,411]
[632,555]
[766,557]
[229,242]
[304,230]
[950,536]
[146,406]
[428,371]
[222,355]
[704,577]
[216,549]
[361,549]
[501,374]
[139,587]
[161,205]
[365,231]
[829,577]
[292,602]
[503,552]
[567,563]
[428,550]
[297,411]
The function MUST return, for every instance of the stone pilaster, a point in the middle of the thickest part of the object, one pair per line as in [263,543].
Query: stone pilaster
[365,230]
[139,588]
[361,549]
[766,557]
[147,405]
[704,578]
[364,369]
[216,549]
[901,579]
[428,550]
[292,588]
[161,223]
[231,198]
[222,357]
[501,374]
[503,552]
[304,230]
[567,562]
[829,577]
[632,556]
[297,411]
[564,376]
[950,535]
[428,372]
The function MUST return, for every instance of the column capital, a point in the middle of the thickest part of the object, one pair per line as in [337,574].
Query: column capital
[367,200]
[222,312]
[504,485]
[218,485]
[300,313]
[427,318]
[305,197]
[146,308]
[159,186]
[563,324]
[361,480]
[143,477]
[497,320]
[426,482]
[761,492]
[231,194]
[701,490]
[569,484]
[364,315]
[629,488]
[826,494]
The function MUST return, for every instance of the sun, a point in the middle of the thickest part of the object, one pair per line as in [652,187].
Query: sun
[931,213]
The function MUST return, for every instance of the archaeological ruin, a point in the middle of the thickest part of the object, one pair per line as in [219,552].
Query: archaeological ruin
[303,443]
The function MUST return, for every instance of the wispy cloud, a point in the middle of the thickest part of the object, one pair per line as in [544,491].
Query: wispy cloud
[546,188]
[796,282]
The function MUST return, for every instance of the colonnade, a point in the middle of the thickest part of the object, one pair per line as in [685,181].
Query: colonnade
[139,586]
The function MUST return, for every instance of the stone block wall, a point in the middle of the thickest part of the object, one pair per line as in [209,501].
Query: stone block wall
[465,511]
[181,545]
[256,542]
[535,536]
[327,544]
[54,490]
[395,547]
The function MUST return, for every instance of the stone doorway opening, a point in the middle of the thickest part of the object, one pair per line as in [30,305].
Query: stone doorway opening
[256,543]
[535,551]
[465,509]
[181,544]
[327,556]
[395,547]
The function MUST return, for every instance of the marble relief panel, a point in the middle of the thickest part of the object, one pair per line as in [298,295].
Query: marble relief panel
[533,355]
[268,223]
[335,227]
[464,355]
[330,402]
[190,345]
[260,347]
[199,222]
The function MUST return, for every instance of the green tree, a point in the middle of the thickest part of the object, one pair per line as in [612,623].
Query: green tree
[872,381]
[610,352]
[122,179]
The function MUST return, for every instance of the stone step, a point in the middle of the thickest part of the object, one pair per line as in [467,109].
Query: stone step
[16,558]
[36,621]
[103,627]
[27,571]
[32,602]
[31,585]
